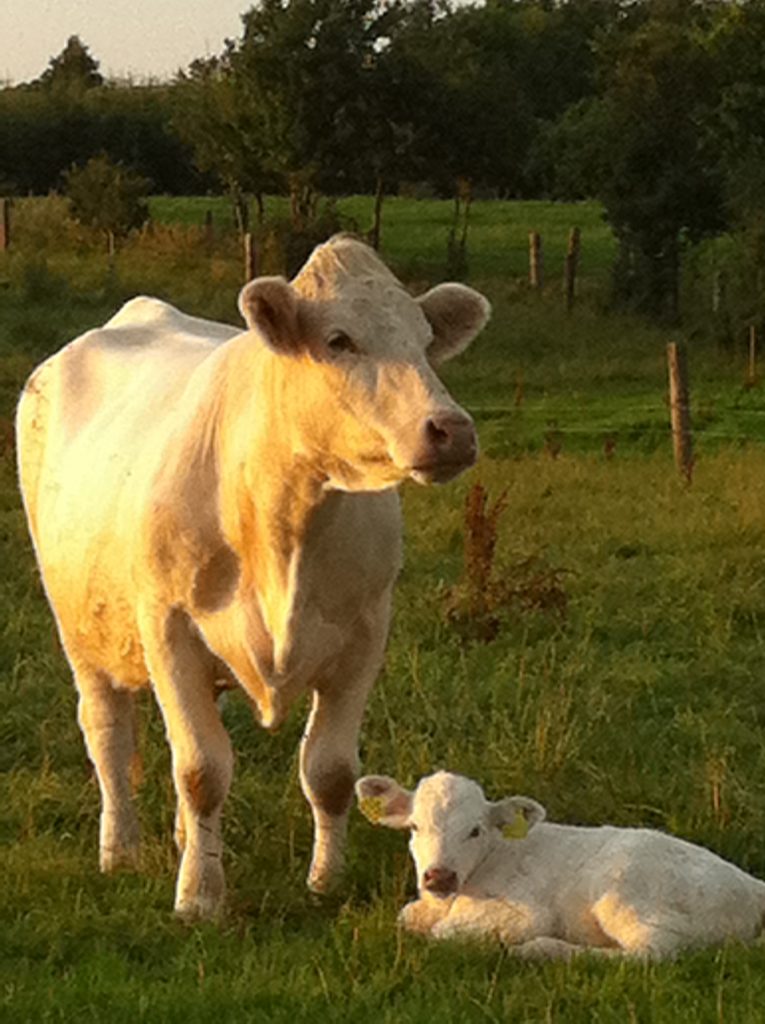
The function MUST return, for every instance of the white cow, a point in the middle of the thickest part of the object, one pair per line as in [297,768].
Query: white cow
[211,506]
[498,870]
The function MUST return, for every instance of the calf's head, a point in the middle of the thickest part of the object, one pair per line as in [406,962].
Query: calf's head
[354,380]
[452,824]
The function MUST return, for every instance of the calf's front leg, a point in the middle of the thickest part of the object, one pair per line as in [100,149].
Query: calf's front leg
[491,918]
[421,916]
[517,925]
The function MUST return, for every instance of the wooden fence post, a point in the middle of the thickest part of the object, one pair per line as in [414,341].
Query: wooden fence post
[518,397]
[209,229]
[680,412]
[536,261]
[570,266]
[718,291]
[751,376]
[5,225]
[250,257]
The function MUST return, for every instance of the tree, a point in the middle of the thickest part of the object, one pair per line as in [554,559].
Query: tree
[73,71]
[647,138]
[737,130]
[210,114]
[107,197]
[300,75]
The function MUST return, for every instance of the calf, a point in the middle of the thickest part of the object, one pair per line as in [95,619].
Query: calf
[499,870]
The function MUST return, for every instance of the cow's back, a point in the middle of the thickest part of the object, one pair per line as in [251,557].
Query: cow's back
[100,399]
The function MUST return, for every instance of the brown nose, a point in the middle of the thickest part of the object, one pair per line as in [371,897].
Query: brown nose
[450,439]
[440,881]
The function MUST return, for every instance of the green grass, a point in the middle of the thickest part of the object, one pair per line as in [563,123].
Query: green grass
[415,232]
[645,704]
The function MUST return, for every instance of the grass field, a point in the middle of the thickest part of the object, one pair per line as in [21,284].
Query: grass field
[643,704]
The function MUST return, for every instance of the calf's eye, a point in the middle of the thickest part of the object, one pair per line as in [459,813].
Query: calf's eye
[475,833]
[340,342]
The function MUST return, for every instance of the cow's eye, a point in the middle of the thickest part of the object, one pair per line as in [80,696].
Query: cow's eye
[340,342]
[413,827]
[475,833]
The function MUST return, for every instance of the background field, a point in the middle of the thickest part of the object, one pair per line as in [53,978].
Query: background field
[642,703]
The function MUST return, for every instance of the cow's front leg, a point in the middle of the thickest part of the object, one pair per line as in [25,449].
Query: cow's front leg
[182,672]
[329,766]
[329,760]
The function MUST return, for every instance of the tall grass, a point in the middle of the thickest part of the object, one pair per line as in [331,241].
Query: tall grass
[643,704]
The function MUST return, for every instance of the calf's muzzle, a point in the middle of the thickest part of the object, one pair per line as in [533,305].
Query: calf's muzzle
[440,881]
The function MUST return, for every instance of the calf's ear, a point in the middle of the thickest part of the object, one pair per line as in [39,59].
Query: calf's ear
[516,816]
[271,306]
[383,802]
[456,313]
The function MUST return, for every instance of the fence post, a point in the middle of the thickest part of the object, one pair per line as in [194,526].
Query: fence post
[518,397]
[751,376]
[250,257]
[680,412]
[209,229]
[718,291]
[5,225]
[536,261]
[570,266]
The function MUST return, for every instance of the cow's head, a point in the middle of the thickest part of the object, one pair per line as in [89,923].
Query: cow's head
[451,822]
[356,377]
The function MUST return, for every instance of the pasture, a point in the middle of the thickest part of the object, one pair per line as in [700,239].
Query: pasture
[641,700]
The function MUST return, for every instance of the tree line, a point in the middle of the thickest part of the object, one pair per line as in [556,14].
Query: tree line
[655,107]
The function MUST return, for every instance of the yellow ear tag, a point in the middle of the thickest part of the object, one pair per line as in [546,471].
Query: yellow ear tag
[519,828]
[373,808]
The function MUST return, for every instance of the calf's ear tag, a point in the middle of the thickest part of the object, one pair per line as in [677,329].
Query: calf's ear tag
[518,829]
[373,808]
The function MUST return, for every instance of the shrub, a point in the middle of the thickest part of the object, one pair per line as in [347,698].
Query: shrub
[107,197]
[284,249]
[44,223]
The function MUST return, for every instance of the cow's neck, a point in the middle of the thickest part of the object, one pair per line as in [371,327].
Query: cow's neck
[273,530]
[268,496]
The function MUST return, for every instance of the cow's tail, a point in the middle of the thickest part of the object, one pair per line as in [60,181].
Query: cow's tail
[760,895]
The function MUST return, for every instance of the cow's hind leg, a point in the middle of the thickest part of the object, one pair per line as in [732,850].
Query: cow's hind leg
[107,719]
[329,760]
[183,675]
[641,930]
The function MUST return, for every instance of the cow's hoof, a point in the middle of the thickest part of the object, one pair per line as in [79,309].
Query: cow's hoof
[324,884]
[112,859]
[194,911]
[200,894]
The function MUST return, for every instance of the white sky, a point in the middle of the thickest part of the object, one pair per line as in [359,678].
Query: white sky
[145,38]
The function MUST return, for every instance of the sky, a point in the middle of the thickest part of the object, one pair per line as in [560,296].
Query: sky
[142,38]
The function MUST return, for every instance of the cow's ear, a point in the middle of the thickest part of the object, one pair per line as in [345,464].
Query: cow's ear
[456,313]
[271,306]
[383,802]
[516,815]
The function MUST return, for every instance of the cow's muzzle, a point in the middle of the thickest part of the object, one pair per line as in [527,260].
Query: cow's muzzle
[449,445]
[440,881]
